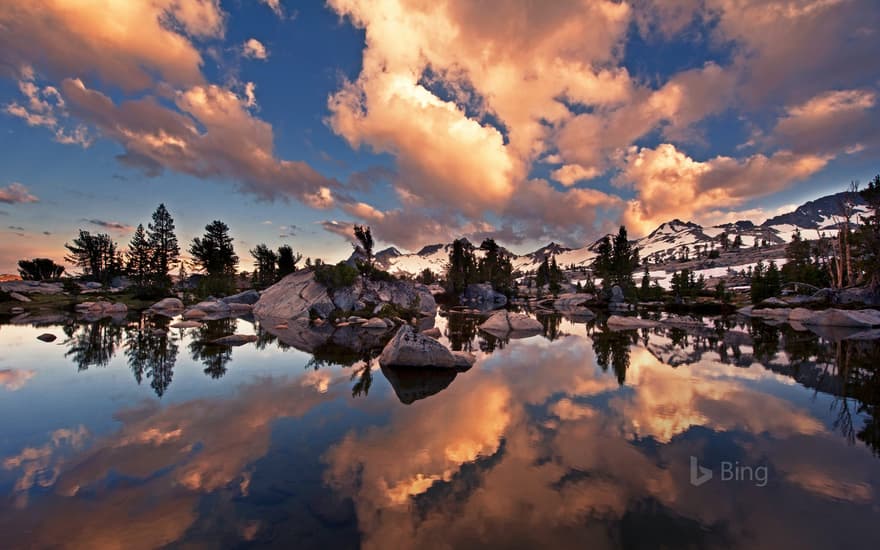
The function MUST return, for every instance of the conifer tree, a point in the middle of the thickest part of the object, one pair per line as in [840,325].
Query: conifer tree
[163,244]
[140,258]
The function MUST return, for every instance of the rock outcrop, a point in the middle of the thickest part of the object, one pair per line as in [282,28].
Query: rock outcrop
[300,295]
[506,324]
[411,349]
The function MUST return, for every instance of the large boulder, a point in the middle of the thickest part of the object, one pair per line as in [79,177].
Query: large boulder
[295,296]
[248,297]
[300,295]
[483,296]
[512,325]
[411,349]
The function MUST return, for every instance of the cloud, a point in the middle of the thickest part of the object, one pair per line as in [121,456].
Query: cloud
[16,193]
[93,38]
[668,183]
[15,379]
[254,49]
[275,6]
[830,123]
[115,226]
[45,107]
[464,121]
[212,135]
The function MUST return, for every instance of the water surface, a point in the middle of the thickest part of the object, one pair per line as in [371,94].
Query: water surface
[129,434]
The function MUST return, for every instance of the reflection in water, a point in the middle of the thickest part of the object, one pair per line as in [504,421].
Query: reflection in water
[213,356]
[612,350]
[151,351]
[578,438]
[92,344]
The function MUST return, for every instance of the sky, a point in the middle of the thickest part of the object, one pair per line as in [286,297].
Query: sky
[427,120]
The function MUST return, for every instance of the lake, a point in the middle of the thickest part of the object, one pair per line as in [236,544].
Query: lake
[736,434]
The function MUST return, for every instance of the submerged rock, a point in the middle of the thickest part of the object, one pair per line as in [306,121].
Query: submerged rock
[618,322]
[513,325]
[411,349]
[186,324]
[235,340]
[46,337]
[166,304]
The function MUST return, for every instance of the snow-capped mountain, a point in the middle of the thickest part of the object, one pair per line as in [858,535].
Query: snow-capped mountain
[674,239]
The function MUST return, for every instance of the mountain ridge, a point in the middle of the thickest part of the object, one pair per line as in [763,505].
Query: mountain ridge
[670,241]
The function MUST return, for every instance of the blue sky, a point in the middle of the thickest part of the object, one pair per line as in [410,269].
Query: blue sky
[426,120]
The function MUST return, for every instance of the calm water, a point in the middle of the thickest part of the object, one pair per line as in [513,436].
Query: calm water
[121,435]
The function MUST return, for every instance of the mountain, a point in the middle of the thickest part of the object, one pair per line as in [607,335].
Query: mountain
[820,213]
[667,244]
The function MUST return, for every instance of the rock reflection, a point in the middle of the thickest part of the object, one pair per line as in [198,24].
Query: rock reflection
[413,383]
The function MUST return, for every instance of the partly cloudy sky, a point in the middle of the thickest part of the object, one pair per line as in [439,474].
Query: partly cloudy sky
[426,119]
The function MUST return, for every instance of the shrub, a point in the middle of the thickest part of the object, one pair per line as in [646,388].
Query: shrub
[336,276]
[215,285]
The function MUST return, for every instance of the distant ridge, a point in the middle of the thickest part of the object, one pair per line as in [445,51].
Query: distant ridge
[668,239]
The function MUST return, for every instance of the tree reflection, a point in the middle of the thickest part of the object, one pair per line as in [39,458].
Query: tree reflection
[151,352]
[551,323]
[461,331]
[612,350]
[364,377]
[92,344]
[213,356]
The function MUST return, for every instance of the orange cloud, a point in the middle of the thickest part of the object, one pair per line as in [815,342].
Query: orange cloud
[670,184]
[92,38]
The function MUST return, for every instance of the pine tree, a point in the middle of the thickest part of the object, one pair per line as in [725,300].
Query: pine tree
[96,255]
[140,258]
[163,244]
[287,260]
[265,259]
[461,270]
[214,252]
